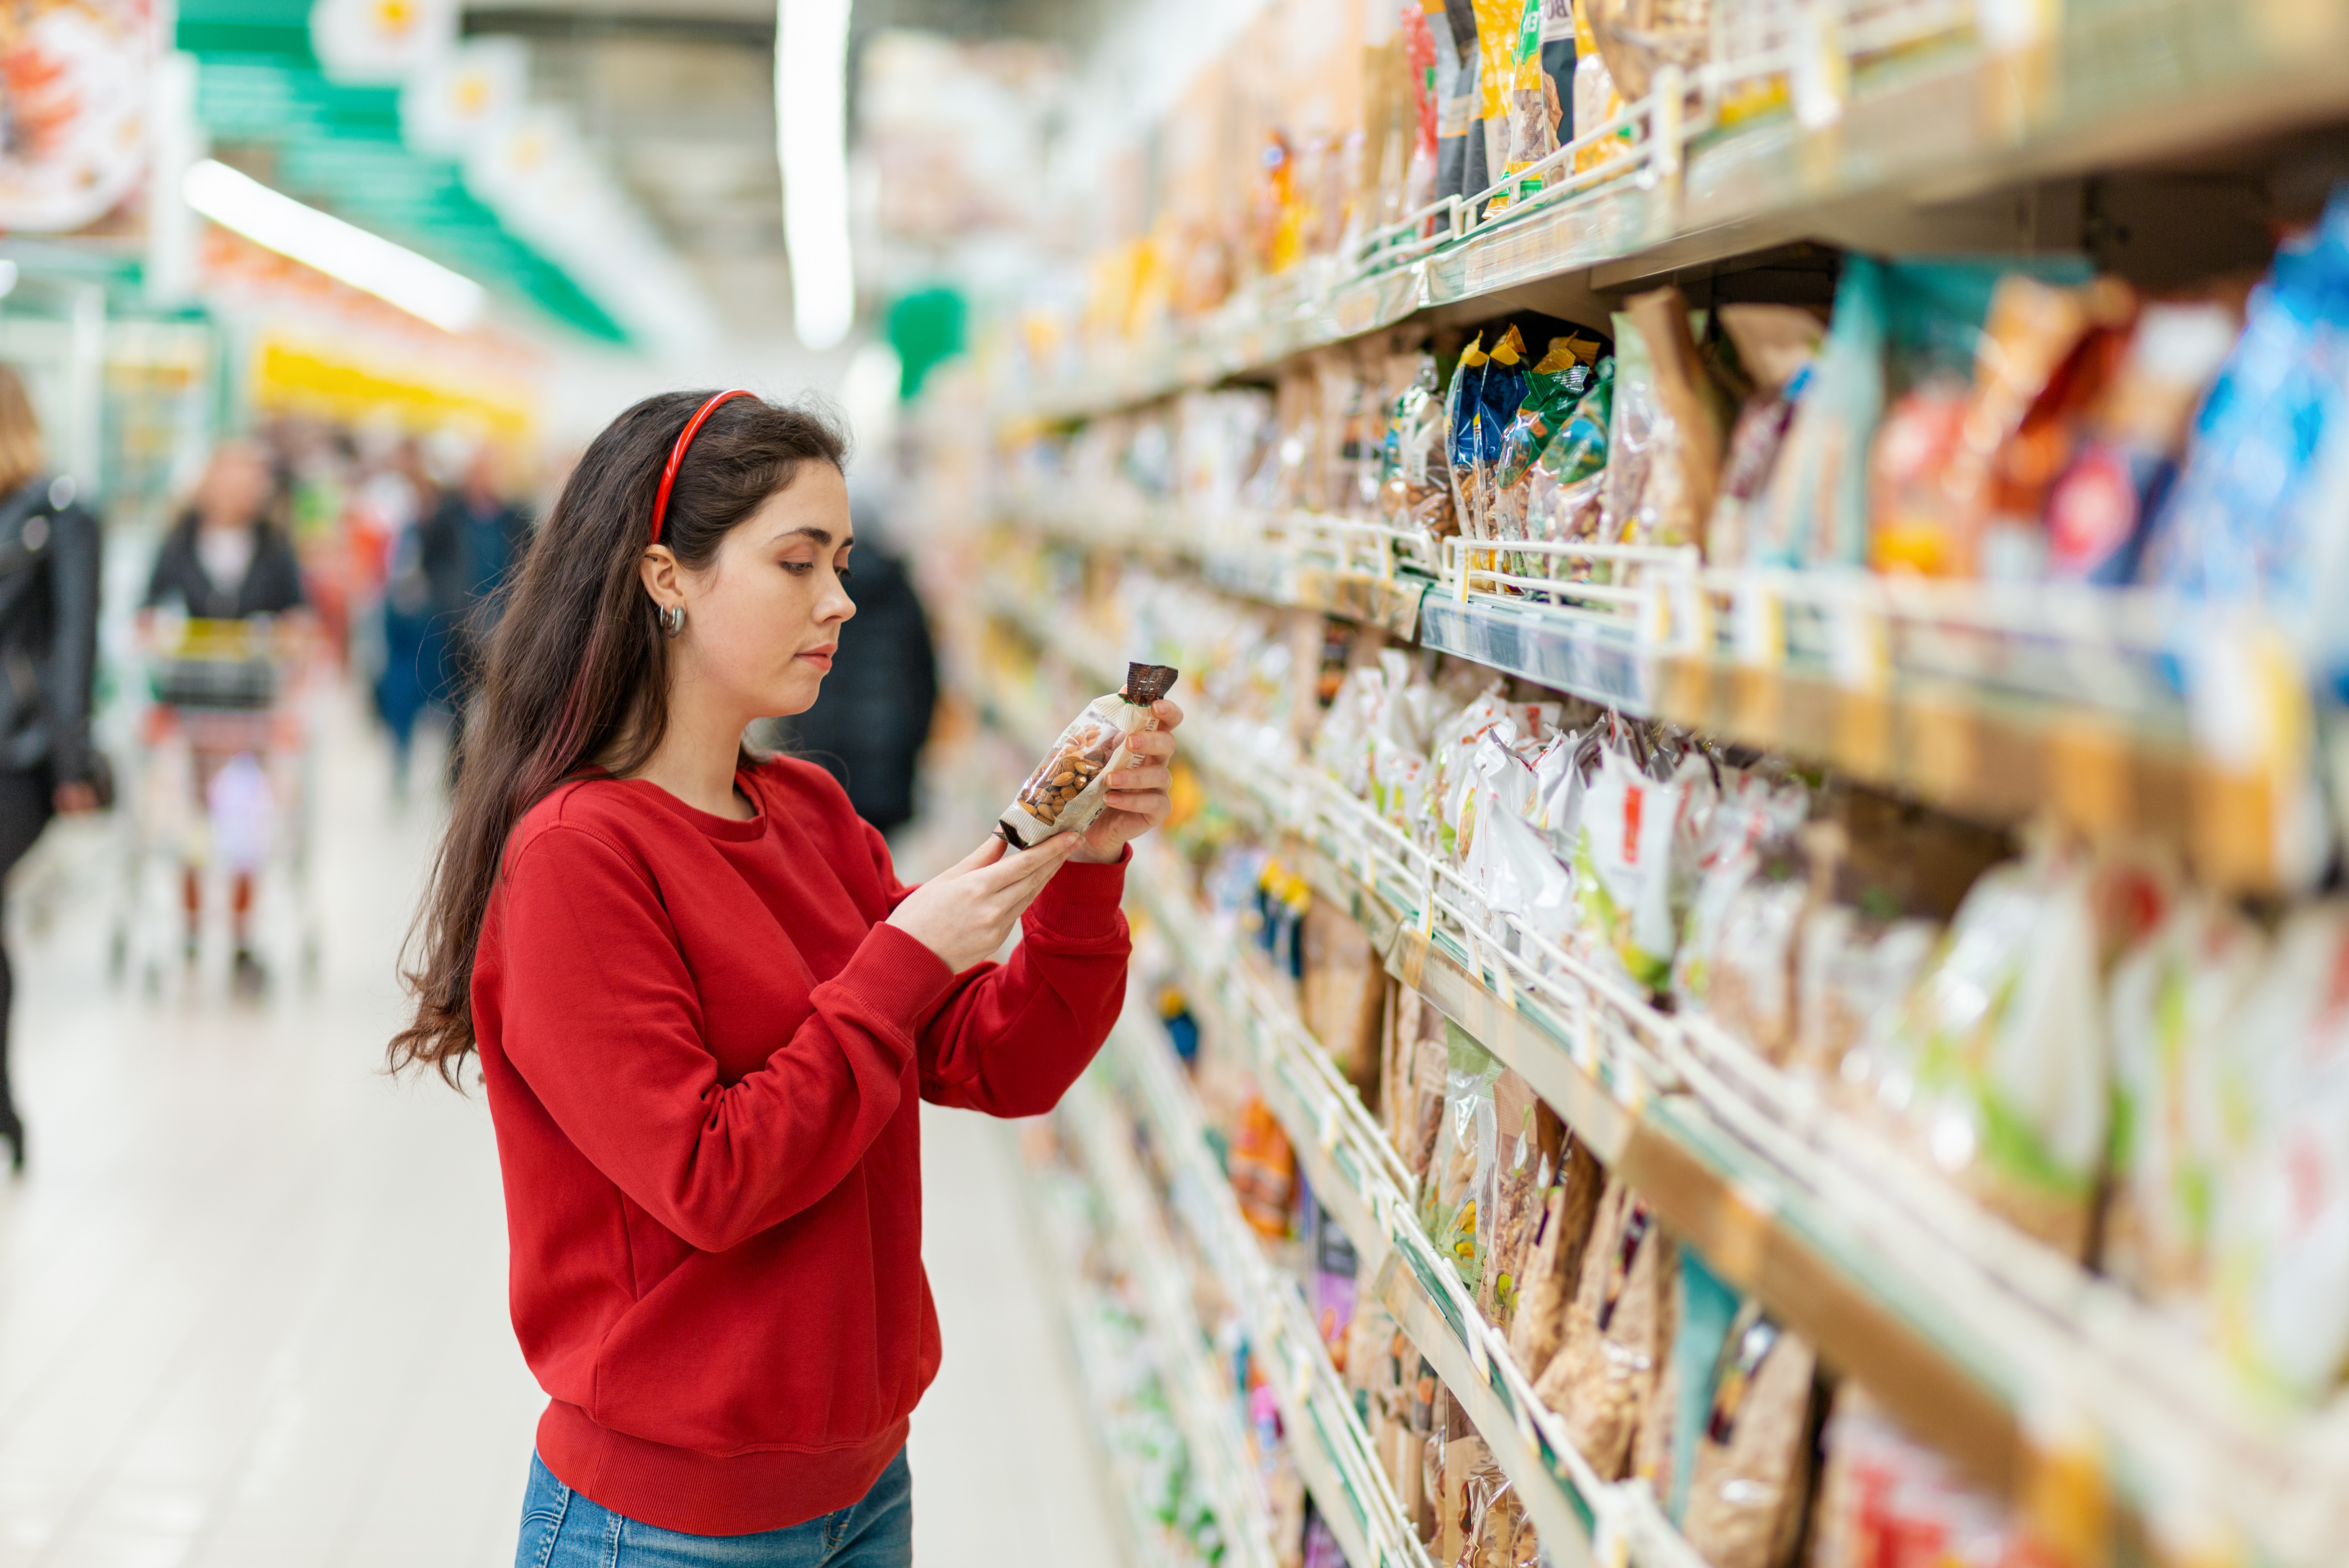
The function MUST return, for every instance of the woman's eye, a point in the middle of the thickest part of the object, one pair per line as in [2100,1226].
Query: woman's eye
[845,574]
[799,568]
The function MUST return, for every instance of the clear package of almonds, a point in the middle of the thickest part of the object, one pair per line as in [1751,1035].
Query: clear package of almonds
[1069,787]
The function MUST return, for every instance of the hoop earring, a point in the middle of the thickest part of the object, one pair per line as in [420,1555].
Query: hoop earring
[672,620]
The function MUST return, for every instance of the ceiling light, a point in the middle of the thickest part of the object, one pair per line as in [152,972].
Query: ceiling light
[418,285]
[810,131]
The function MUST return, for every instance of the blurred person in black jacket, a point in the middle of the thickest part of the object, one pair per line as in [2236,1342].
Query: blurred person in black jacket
[50,551]
[868,726]
[472,543]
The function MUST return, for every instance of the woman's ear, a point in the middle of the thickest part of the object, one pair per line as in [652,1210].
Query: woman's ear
[659,570]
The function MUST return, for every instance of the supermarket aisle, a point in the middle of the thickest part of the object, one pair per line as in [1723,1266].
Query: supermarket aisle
[251,1295]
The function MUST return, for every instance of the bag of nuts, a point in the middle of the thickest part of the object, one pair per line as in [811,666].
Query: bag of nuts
[1067,790]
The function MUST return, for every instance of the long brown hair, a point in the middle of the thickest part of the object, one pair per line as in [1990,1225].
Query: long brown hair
[22,455]
[577,672]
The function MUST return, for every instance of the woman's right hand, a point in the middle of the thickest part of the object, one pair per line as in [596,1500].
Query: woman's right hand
[964,913]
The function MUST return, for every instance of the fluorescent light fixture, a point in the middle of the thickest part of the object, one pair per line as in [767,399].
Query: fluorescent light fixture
[812,140]
[418,285]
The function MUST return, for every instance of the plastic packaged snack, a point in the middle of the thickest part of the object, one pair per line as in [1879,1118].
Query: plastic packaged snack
[1705,1306]
[1885,1499]
[2098,511]
[2181,1109]
[1935,461]
[1567,1212]
[1638,36]
[1263,1171]
[1632,893]
[1604,1376]
[1343,990]
[1596,98]
[1463,1173]
[1554,388]
[1070,787]
[1452,26]
[1752,994]
[1529,99]
[1416,489]
[1528,1146]
[2005,1039]
[1564,491]
[1751,1462]
[2255,514]
[1498,1535]
[1756,814]
[1486,392]
[1683,471]
[1816,510]
[1853,970]
[2282,1252]
[1633,418]
[1776,344]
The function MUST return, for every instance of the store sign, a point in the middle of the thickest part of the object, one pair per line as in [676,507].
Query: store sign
[74,81]
[380,40]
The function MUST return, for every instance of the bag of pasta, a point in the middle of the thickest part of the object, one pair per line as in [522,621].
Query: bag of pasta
[1070,787]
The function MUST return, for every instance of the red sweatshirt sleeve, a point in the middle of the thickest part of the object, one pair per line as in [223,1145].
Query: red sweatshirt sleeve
[1009,1039]
[603,1021]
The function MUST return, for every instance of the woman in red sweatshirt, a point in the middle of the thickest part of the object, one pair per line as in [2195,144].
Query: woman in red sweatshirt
[705,1008]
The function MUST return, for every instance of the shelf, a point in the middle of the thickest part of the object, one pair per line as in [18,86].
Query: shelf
[2012,1359]
[1331,1449]
[2000,703]
[1096,1358]
[1205,1412]
[1355,1175]
[2016,1361]
[1921,143]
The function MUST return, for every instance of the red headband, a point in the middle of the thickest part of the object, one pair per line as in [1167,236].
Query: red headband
[677,457]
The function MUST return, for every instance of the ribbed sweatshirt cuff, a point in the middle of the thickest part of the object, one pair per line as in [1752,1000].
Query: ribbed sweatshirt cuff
[1080,905]
[895,976]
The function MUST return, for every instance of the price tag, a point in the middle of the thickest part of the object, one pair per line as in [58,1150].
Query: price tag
[1818,78]
[1758,626]
[2006,25]
[1586,1038]
[1326,1133]
[1503,983]
[1860,648]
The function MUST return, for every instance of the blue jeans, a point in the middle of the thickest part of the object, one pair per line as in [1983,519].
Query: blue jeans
[561,1529]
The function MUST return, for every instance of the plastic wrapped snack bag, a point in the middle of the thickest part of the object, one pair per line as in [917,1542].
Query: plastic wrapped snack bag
[1462,1176]
[1566,1210]
[2006,1037]
[1071,786]
[2282,1252]
[1618,1335]
[1624,853]
[1564,488]
[2181,1101]
[1751,1467]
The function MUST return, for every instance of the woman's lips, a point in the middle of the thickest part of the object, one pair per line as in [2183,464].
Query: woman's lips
[820,657]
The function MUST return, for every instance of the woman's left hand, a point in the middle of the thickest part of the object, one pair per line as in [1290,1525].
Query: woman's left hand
[1138,796]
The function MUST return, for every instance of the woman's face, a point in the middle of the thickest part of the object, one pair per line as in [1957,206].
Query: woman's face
[235,486]
[762,620]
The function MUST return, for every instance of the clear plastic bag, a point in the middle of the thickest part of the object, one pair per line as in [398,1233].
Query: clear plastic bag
[1071,786]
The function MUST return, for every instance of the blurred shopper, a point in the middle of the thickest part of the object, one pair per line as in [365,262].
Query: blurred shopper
[868,727]
[48,655]
[478,535]
[227,560]
[705,1008]
[419,599]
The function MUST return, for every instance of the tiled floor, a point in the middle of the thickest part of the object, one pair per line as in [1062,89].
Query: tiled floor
[252,1294]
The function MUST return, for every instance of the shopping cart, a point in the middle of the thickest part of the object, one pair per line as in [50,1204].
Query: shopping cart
[221,791]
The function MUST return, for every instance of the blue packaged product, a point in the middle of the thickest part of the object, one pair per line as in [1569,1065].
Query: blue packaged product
[2256,515]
